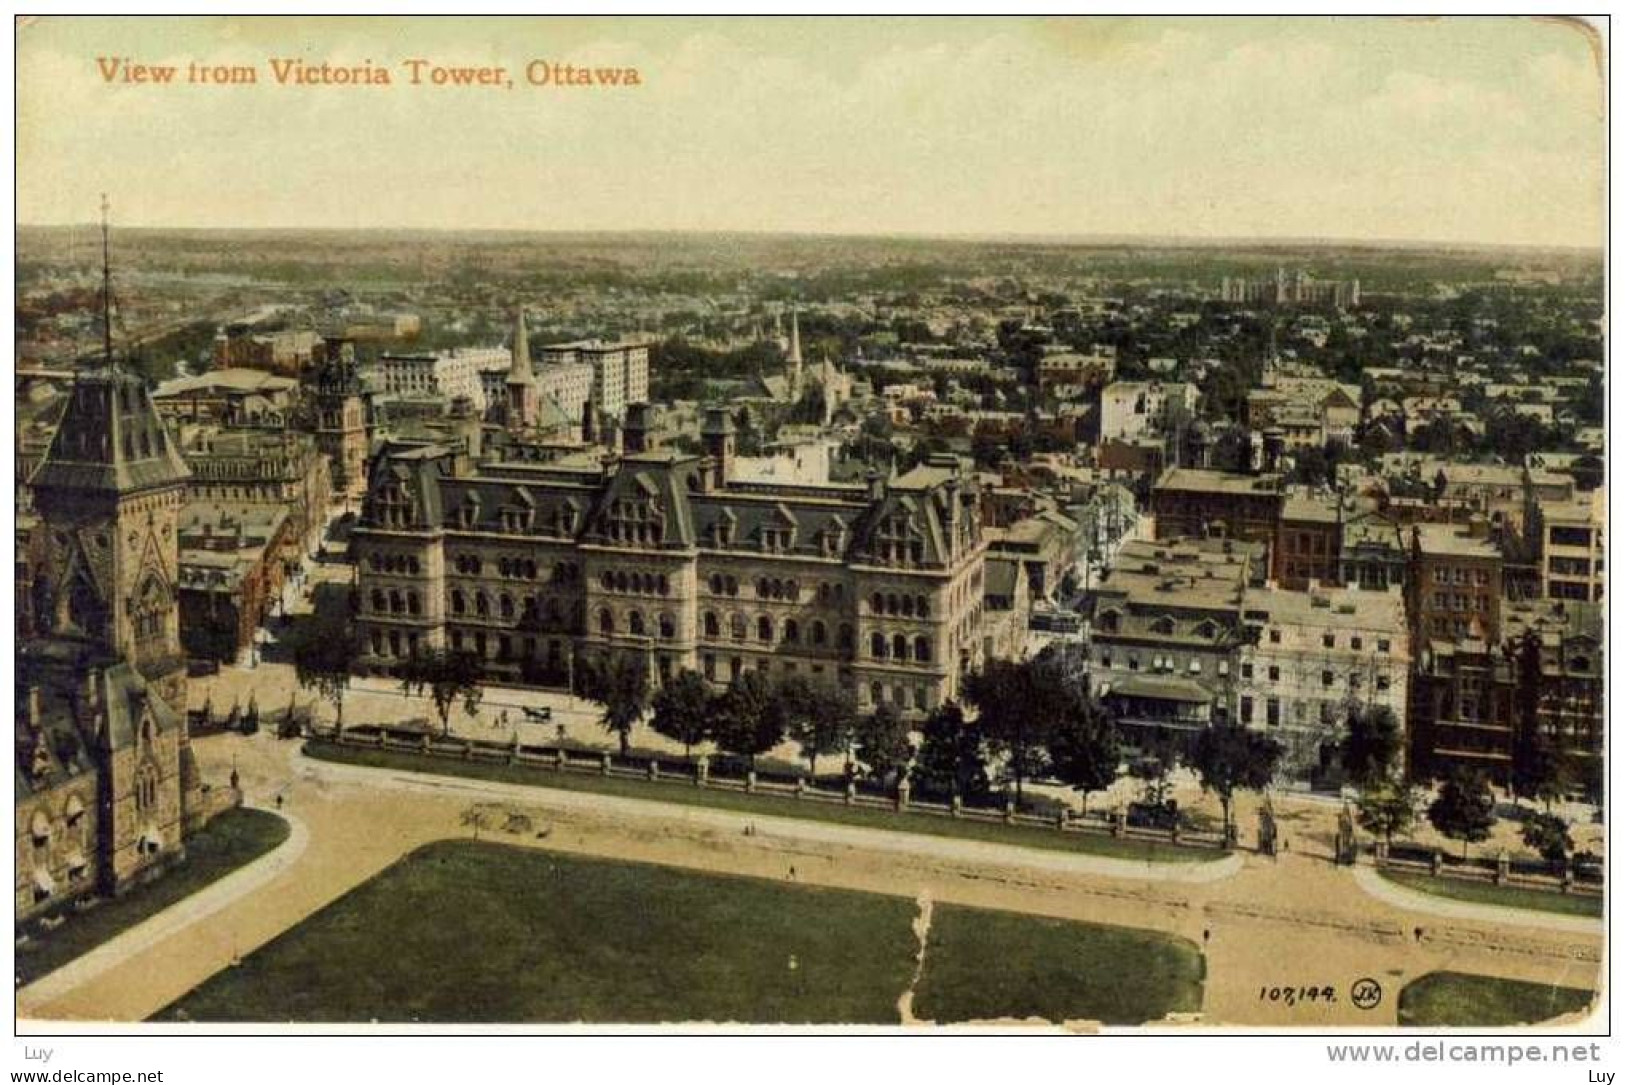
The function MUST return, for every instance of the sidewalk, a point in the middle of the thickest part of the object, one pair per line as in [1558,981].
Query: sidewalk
[1367,878]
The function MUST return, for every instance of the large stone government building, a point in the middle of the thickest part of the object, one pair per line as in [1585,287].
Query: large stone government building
[876,586]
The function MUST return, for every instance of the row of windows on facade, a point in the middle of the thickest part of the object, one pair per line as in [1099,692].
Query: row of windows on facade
[1327,712]
[901,695]
[897,646]
[1167,664]
[564,572]
[1443,574]
[1443,600]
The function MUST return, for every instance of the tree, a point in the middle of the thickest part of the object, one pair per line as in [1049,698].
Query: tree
[882,741]
[1018,705]
[682,711]
[1159,757]
[819,718]
[951,760]
[747,719]
[1464,808]
[620,683]
[325,650]
[1084,751]
[448,677]
[1549,836]
[1228,757]
[1386,808]
[1541,769]
[1371,744]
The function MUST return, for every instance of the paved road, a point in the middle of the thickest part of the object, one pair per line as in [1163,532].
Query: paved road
[1296,921]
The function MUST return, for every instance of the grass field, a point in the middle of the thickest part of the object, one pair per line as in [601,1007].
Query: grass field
[231,840]
[982,964]
[1501,896]
[770,805]
[465,931]
[1461,1000]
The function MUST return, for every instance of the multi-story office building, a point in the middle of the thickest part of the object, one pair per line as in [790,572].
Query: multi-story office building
[446,375]
[1313,654]
[1572,546]
[620,371]
[877,587]
[1165,627]
[1455,583]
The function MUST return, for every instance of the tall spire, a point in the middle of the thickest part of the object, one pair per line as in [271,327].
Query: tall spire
[795,355]
[107,291]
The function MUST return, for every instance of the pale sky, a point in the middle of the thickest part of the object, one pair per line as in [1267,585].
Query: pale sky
[1461,130]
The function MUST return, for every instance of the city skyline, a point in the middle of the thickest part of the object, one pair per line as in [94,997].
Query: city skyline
[1280,130]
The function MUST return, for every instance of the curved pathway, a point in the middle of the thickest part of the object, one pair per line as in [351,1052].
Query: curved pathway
[172,920]
[1400,896]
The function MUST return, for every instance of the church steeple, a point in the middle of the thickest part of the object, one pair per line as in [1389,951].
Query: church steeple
[796,378]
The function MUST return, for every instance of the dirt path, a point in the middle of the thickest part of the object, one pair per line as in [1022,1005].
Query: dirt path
[1294,922]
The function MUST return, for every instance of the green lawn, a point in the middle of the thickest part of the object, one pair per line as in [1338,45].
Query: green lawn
[473,931]
[771,805]
[1461,1000]
[231,840]
[982,964]
[1501,896]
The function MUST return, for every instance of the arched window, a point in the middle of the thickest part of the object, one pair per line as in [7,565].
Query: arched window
[668,627]
[876,694]
[922,649]
[921,607]
[877,645]
[736,626]
[764,629]
[713,627]
[877,603]
[459,604]
[396,605]
[792,632]
[899,646]
[606,622]
[792,591]
[634,623]
[413,605]
[819,634]
[891,603]
[907,603]
[482,604]
[505,606]
[716,584]
[378,603]
[844,636]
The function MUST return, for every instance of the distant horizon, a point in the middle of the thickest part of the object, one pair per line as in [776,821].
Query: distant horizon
[1455,132]
[1079,240]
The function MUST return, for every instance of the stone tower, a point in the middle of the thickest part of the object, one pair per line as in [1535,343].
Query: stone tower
[522,400]
[341,416]
[109,492]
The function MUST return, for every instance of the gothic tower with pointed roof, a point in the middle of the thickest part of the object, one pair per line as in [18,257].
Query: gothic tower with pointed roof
[109,491]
